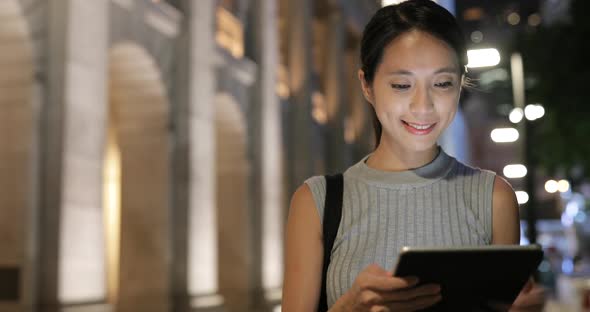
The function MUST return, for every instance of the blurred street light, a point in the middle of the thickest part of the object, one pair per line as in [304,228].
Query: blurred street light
[551,186]
[513,18]
[515,171]
[516,115]
[477,36]
[504,135]
[522,197]
[483,58]
[563,186]
[534,19]
[534,111]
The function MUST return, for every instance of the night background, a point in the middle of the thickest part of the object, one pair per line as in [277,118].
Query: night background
[149,149]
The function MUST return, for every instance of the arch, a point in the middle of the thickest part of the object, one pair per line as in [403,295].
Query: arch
[136,176]
[234,227]
[16,147]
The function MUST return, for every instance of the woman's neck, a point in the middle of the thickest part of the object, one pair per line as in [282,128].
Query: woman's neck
[386,158]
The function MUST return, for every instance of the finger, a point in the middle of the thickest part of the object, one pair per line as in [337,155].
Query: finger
[373,297]
[384,283]
[534,297]
[380,308]
[376,269]
[415,304]
[409,294]
[528,286]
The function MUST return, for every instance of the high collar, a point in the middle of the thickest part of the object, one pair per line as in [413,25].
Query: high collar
[427,174]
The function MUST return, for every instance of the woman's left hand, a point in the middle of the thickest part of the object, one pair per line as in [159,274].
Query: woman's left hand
[532,298]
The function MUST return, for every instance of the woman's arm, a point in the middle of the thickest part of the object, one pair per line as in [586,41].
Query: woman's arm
[506,231]
[505,215]
[303,255]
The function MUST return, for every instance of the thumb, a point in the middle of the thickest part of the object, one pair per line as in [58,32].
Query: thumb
[376,269]
[528,286]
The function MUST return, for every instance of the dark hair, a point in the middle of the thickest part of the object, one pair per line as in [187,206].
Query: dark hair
[391,21]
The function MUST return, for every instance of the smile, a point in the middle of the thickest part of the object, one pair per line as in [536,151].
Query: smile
[418,129]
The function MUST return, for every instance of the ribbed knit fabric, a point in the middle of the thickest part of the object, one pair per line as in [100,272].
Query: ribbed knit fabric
[444,203]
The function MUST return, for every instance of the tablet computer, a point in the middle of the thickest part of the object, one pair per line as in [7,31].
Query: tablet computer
[471,276]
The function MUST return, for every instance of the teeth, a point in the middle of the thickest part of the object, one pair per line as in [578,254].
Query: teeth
[419,127]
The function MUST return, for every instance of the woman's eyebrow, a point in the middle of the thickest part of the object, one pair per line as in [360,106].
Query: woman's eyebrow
[451,70]
[400,72]
[403,72]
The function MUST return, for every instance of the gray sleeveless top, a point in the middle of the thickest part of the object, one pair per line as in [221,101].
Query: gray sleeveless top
[444,203]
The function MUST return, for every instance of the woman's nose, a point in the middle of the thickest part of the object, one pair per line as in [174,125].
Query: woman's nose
[422,102]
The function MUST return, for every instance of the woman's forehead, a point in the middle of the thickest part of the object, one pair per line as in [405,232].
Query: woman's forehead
[418,51]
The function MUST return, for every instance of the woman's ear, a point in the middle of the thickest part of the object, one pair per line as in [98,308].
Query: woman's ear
[367,91]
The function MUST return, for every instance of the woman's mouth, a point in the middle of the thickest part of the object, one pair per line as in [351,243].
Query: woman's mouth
[418,128]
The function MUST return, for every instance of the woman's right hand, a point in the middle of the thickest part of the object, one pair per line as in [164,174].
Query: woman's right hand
[376,290]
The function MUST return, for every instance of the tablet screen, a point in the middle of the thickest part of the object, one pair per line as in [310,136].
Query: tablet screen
[471,276]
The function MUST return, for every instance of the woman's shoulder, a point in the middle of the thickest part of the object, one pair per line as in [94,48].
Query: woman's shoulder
[477,180]
[499,187]
[316,186]
[303,196]
[316,181]
[466,170]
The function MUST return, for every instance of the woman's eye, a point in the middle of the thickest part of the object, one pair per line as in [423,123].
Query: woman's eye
[446,84]
[400,86]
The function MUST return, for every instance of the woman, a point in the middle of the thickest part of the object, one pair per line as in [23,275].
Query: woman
[408,192]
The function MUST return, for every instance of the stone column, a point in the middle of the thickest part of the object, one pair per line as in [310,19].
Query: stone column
[72,265]
[17,154]
[335,84]
[195,231]
[299,153]
[139,118]
[180,182]
[236,217]
[266,151]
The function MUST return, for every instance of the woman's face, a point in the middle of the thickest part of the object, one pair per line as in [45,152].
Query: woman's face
[415,91]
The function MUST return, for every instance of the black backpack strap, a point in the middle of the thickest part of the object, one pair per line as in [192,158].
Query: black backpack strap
[331,222]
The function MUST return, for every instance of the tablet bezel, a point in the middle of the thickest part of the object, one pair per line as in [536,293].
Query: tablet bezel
[483,275]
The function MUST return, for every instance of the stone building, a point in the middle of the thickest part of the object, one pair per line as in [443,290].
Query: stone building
[149,148]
